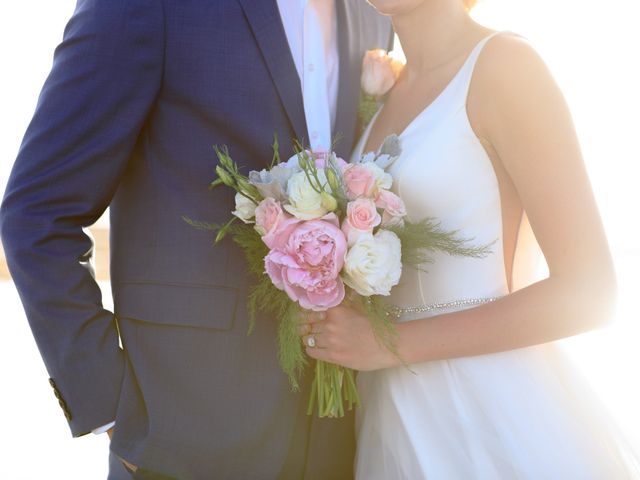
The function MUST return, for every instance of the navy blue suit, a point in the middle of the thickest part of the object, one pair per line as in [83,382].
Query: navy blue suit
[139,93]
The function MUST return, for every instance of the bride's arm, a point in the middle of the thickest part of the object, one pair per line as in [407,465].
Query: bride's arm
[526,120]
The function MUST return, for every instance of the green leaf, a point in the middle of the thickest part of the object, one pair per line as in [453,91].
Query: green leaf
[380,313]
[276,151]
[224,230]
[217,182]
[367,108]
[265,298]
[290,352]
[226,177]
[421,239]
[201,225]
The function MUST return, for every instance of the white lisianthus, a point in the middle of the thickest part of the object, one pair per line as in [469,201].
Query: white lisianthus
[294,162]
[373,265]
[245,208]
[384,180]
[305,202]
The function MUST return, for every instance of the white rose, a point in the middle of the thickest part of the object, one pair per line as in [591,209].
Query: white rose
[384,180]
[245,208]
[305,202]
[373,265]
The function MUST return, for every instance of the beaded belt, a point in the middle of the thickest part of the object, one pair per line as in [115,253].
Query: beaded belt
[400,311]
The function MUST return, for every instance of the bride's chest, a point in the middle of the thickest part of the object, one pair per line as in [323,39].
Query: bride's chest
[444,173]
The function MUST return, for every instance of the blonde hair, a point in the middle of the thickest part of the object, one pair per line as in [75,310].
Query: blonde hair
[469,4]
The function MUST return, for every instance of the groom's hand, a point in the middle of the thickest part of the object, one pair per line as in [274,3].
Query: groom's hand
[130,466]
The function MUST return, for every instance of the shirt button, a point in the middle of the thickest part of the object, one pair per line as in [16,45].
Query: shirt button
[311,67]
[314,135]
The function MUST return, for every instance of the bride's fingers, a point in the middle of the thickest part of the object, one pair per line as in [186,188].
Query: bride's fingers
[323,354]
[313,317]
[313,341]
[308,320]
[304,328]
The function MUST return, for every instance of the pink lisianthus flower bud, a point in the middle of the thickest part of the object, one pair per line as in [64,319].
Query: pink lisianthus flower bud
[322,158]
[393,206]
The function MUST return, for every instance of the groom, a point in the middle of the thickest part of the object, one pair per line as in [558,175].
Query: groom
[139,92]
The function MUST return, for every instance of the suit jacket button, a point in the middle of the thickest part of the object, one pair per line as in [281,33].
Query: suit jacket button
[67,415]
[56,392]
[52,382]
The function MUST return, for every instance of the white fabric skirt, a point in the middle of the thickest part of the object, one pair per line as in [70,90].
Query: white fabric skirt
[521,414]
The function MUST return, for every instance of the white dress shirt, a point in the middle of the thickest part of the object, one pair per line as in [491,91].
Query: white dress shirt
[311,29]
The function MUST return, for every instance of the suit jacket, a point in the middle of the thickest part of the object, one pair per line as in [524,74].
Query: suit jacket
[139,92]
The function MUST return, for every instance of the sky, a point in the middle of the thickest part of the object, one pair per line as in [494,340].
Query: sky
[591,48]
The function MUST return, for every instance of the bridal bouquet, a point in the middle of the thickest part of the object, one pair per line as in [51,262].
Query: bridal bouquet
[316,232]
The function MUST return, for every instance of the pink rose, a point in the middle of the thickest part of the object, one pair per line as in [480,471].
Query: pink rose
[307,265]
[362,217]
[268,214]
[359,182]
[379,72]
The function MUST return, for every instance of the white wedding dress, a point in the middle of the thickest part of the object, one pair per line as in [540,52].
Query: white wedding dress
[520,414]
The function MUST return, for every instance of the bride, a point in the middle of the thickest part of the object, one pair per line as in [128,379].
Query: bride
[489,149]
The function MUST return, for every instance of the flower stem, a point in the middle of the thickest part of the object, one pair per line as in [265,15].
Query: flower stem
[332,387]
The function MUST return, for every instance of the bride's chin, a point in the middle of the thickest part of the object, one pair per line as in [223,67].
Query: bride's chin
[395,7]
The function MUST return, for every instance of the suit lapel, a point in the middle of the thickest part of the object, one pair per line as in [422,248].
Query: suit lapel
[349,83]
[264,18]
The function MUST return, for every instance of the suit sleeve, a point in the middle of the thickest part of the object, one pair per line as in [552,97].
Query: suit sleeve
[106,75]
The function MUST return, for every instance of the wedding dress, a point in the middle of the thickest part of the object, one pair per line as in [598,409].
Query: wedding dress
[520,414]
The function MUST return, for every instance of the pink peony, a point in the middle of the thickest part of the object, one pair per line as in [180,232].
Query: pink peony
[277,237]
[359,182]
[307,263]
[362,217]
[269,215]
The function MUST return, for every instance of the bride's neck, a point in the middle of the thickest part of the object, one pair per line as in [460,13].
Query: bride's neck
[433,32]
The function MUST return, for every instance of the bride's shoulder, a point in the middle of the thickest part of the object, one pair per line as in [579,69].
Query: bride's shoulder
[510,77]
[513,89]
[509,64]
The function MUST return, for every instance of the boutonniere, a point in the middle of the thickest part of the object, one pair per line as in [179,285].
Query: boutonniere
[380,70]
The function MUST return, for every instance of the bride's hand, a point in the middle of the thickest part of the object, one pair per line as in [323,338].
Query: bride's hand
[343,335]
